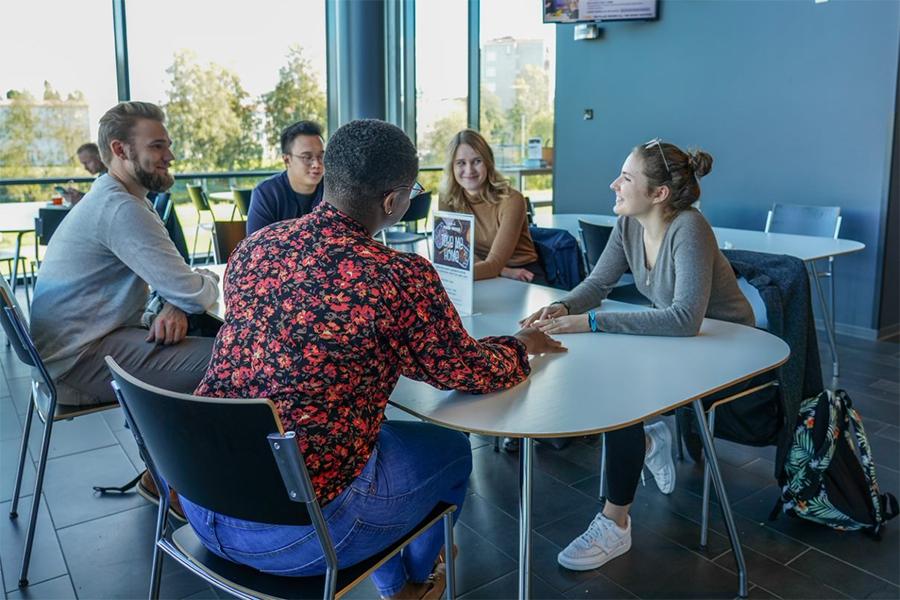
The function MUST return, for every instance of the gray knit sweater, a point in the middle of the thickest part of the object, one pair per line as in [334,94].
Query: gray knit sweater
[691,280]
[95,274]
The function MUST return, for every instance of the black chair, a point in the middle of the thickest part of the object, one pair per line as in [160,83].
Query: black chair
[226,236]
[44,399]
[529,210]
[242,202]
[45,225]
[233,457]
[593,240]
[419,208]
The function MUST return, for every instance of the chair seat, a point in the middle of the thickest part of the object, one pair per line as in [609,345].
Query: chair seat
[64,412]
[403,237]
[257,583]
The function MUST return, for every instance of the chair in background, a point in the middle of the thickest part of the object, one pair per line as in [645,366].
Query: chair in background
[226,236]
[201,204]
[594,238]
[251,470]
[241,202]
[45,225]
[821,221]
[419,208]
[529,210]
[44,400]
[8,258]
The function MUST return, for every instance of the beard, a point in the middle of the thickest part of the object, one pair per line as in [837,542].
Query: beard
[152,180]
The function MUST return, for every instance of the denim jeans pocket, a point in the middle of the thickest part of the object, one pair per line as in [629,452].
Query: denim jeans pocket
[362,541]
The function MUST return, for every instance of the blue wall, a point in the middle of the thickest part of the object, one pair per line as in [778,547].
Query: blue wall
[794,100]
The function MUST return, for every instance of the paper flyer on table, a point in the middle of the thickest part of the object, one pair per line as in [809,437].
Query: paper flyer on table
[454,243]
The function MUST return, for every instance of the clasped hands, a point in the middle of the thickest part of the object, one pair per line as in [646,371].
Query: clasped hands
[555,318]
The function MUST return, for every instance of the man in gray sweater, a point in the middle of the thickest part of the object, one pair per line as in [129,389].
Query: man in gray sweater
[94,282]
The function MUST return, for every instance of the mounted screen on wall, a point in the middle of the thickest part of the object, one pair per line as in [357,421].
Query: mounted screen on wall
[589,11]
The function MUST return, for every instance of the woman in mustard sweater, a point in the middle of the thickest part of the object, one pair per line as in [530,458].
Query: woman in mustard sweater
[471,184]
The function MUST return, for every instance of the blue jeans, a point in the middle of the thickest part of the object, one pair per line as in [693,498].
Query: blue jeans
[413,467]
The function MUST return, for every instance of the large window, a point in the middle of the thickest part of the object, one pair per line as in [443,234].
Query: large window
[441,78]
[518,66]
[230,76]
[58,77]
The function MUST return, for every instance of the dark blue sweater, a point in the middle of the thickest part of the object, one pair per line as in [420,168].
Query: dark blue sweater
[274,200]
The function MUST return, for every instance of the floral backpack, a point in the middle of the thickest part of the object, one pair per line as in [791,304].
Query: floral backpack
[824,480]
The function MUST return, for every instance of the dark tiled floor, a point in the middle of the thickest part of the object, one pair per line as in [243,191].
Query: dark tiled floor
[92,547]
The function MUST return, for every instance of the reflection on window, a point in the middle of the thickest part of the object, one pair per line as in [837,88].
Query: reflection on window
[441,78]
[54,93]
[228,89]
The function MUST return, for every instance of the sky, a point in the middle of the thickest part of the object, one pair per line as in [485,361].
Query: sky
[74,47]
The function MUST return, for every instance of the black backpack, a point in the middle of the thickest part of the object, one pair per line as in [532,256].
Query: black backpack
[824,480]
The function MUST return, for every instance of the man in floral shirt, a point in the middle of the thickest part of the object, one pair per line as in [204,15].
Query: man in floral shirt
[323,319]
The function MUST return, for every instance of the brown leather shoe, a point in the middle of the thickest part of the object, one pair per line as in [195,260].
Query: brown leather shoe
[146,487]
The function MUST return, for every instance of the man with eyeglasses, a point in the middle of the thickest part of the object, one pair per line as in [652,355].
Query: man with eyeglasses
[297,190]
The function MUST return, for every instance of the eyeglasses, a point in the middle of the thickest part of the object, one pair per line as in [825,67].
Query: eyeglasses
[308,159]
[658,143]
[414,190]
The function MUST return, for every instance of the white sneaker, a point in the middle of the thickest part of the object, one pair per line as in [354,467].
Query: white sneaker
[602,542]
[659,456]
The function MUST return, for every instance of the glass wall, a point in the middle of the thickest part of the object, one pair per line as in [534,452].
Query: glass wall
[58,77]
[518,67]
[230,76]
[441,79]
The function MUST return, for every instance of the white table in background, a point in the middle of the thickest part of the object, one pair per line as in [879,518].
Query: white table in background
[805,247]
[18,218]
[604,382]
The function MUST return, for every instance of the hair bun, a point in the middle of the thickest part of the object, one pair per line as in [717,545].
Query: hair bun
[700,162]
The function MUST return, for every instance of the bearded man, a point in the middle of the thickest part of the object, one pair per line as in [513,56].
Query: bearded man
[93,286]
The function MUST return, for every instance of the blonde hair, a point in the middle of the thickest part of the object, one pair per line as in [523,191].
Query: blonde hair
[496,188]
[118,122]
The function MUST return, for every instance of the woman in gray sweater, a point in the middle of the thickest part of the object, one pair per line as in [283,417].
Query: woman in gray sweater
[672,252]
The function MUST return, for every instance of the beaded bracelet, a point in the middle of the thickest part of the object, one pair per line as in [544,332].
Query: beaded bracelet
[592,320]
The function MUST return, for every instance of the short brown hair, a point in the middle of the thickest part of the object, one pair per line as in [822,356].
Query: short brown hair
[118,122]
[496,188]
[88,147]
[668,165]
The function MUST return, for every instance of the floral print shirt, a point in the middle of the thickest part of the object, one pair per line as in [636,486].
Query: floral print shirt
[323,319]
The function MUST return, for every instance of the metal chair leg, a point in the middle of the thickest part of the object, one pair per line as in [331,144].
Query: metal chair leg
[448,553]
[196,233]
[710,452]
[23,452]
[38,488]
[158,554]
[679,445]
[602,466]
[704,521]
[826,320]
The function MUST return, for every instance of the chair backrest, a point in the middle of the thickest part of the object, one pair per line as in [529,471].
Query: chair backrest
[529,210]
[47,222]
[822,221]
[10,319]
[242,201]
[198,198]
[162,203]
[593,239]
[419,208]
[226,236]
[214,451]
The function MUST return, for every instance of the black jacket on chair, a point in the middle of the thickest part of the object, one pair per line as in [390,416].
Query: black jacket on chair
[783,285]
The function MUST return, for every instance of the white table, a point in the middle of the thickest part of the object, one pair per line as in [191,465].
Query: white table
[581,392]
[805,247]
[18,218]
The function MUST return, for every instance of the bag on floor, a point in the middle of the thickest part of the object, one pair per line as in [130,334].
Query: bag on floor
[824,480]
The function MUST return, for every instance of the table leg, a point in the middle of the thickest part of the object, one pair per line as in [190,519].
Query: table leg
[526,459]
[713,462]
[826,318]
[16,255]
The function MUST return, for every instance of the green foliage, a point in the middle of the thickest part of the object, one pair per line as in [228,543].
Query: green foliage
[296,97]
[210,116]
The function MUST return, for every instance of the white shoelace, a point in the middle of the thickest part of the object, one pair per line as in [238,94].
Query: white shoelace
[600,530]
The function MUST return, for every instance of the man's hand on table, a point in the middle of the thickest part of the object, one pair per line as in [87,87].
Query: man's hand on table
[537,342]
[169,327]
